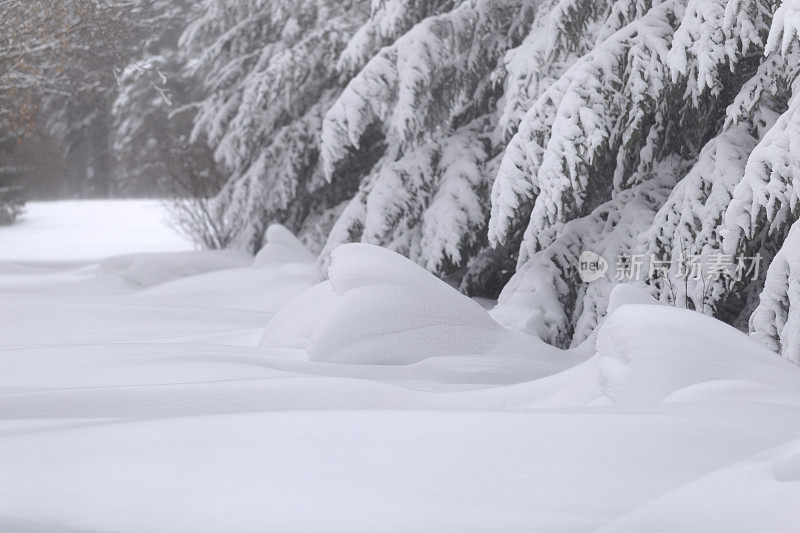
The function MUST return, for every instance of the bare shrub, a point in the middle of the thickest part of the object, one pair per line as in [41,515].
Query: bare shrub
[195,182]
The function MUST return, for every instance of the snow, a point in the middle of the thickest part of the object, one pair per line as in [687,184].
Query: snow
[218,400]
[146,270]
[785,26]
[776,320]
[642,364]
[625,294]
[282,246]
[380,308]
[696,505]
[69,231]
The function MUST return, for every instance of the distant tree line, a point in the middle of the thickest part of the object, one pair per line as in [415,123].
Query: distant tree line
[61,63]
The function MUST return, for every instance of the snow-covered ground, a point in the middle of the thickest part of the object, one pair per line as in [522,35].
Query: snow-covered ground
[205,391]
[89,229]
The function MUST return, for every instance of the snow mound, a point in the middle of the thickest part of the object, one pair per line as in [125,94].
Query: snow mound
[625,294]
[380,308]
[282,247]
[651,353]
[294,324]
[534,307]
[149,269]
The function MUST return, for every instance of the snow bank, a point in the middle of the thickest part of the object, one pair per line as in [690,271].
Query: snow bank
[225,279]
[282,247]
[654,353]
[529,302]
[380,308]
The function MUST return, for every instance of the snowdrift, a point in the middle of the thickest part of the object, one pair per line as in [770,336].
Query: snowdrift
[281,247]
[280,270]
[147,270]
[378,307]
[653,353]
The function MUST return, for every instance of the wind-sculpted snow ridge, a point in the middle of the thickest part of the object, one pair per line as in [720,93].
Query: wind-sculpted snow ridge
[649,354]
[380,308]
[147,270]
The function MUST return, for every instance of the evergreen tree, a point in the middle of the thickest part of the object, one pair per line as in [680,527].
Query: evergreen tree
[433,95]
[268,73]
[59,62]
[776,320]
[153,112]
[710,77]
[484,137]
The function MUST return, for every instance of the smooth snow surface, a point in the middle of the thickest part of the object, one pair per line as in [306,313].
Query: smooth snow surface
[89,229]
[192,392]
